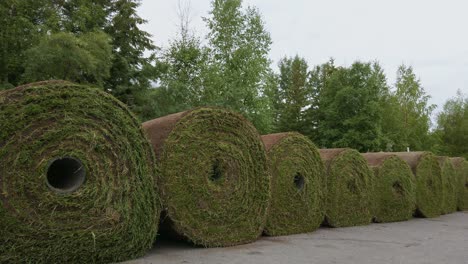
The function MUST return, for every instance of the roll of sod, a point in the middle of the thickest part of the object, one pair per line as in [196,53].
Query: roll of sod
[449,183]
[393,187]
[461,168]
[214,181]
[349,189]
[297,180]
[76,177]
[429,190]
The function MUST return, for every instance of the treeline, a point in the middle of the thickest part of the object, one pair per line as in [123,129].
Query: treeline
[101,43]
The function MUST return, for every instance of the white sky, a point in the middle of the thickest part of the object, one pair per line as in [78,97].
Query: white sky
[430,35]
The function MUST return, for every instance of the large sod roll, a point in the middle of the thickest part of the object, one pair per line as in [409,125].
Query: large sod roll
[349,188]
[76,177]
[429,190]
[214,182]
[461,168]
[297,180]
[394,197]
[449,185]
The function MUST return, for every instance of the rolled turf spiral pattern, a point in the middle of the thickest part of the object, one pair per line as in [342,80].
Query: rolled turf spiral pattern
[449,184]
[461,168]
[297,180]
[214,181]
[76,177]
[394,197]
[429,191]
[349,188]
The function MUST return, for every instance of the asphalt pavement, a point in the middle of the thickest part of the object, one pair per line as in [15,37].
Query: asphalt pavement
[441,240]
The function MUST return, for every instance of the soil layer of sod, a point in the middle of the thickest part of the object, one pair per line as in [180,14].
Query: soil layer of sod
[349,189]
[214,182]
[394,195]
[76,177]
[449,185]
[297,179]
[461,168]
[429,190]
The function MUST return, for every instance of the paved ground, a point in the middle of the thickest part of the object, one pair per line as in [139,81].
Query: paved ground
[438,240]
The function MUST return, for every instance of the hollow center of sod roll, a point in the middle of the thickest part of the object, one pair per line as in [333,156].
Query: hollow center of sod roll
[65,175]
[352,187]
[299,181]
[216,173]
[398,188]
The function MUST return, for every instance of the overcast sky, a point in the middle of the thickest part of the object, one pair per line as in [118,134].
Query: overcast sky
[430,35]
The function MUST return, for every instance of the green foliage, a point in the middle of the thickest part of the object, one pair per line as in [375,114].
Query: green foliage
[348,112]
[183,66]
[84,59]
[452,127]
[298,176]
[132,72]
[407,119]
[214,182]
[349,188]
[238,61]
[113,216]
[291,95]
[22,23]
[25,23]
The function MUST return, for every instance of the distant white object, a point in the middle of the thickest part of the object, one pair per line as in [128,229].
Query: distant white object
[407,149]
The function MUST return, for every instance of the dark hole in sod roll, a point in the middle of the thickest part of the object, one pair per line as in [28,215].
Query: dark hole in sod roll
[216,173]
[398,188]
[65,175]
[299,181]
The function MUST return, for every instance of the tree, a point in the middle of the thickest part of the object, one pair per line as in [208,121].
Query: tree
[22,24]
[183,64]
[452,127]
[292,94]
[407,120]
[349,113]
[84,59]
[132,72]
[238,64]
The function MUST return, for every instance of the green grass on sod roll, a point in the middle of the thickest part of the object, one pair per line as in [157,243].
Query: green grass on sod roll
[349,188]
[76,177]
[297,180]
[449,185]
[394,195]
[461,168]
[214,182]
[429,190]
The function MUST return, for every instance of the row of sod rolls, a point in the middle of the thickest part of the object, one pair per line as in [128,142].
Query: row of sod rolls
[76,177]
[214,181]
[297,184]
[81,181]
